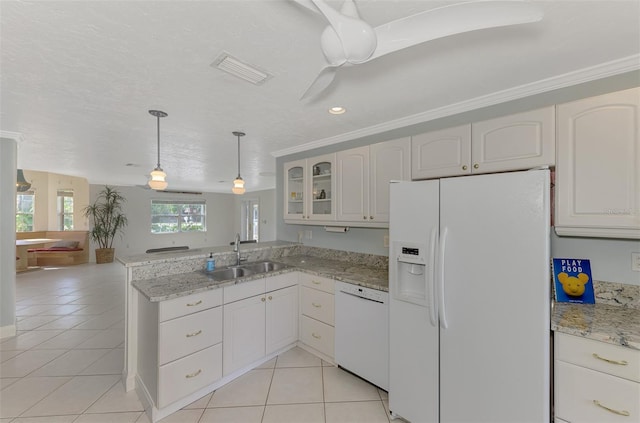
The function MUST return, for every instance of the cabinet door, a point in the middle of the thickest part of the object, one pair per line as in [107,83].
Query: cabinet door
[244,333]
[321,188]
[295,174]
[281,318]
[598,171]
[519,141]
[389,161]
[353,184]
[441,153]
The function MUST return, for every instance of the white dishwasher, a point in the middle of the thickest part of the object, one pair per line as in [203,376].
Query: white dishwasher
[362,332]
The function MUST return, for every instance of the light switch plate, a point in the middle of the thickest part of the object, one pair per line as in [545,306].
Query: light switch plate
[635,262]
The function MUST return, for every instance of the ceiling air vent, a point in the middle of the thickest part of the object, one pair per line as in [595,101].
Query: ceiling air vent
[235,67]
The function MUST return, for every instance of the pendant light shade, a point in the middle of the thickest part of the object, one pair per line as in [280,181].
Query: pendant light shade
[21,184]
[238,183]
[158,176]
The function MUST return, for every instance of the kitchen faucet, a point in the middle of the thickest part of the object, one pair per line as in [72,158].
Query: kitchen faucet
[236,249]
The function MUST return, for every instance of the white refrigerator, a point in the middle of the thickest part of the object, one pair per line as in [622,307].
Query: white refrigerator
[469,282]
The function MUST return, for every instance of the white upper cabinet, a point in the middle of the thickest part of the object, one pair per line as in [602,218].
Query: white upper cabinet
[363,176]
[518,141]
[598,169]
[353,184]
[309,186]
[441,153]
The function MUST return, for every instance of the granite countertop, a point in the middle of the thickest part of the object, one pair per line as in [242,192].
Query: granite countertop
[171,256]
[601,322]
[174,286]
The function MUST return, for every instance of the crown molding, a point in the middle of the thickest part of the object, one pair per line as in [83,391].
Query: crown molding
[603,70]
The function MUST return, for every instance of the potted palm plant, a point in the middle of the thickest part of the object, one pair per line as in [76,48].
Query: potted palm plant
[107,219]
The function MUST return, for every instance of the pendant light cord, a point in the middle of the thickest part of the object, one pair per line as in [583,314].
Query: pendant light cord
[238,156]
[158,118]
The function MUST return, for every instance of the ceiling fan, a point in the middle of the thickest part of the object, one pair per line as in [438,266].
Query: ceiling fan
[348,40]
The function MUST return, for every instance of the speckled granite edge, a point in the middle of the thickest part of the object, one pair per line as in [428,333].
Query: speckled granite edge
[601,322]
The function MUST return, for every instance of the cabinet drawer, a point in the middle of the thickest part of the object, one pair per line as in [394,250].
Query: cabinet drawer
[185,376]
[317,282]
[243,290]
[608,358]
[578,391]
[188,304]
[318,304]
[317,335]
[188,334]
[284,280]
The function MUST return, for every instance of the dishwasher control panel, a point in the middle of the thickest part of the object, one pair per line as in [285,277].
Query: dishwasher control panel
[367,293]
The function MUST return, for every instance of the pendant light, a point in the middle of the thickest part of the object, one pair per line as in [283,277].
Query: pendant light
[158,176]
[238,183]
[21,184]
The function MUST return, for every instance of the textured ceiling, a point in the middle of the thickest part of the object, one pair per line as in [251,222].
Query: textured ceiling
[78,77]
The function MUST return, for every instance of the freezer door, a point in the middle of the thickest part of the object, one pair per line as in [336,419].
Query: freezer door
[413,336]
[494,352]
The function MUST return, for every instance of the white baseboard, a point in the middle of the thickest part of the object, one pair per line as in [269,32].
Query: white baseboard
[7,331]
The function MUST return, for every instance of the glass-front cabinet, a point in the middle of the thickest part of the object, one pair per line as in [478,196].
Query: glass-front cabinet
[309,188]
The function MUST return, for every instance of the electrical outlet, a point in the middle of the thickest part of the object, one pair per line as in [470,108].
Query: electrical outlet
[308,234]
[635,262]
[386,240]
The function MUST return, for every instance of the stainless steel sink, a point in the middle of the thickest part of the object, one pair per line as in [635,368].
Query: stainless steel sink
[229,273]
[264,266]
[248,269]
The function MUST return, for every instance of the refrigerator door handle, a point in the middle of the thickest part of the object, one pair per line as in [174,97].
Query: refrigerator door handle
[429,279]
[441,253]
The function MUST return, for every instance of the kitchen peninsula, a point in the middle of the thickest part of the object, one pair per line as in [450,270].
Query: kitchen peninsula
[168,293]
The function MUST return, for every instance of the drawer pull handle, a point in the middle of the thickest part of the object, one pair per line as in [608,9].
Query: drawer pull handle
[315,336]
[315,282]
[618,362]
[194,304]
[194,374]
[611,410]
[316,305]
[189,335]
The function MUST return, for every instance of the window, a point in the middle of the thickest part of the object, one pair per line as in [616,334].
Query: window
[250,213]
[25,204]
[172,216]
[65,210]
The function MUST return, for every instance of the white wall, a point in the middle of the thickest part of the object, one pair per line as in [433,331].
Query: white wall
[8,170]
[137,238]
[266,199]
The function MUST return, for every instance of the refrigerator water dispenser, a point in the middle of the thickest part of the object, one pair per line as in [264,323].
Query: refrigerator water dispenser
[411,273]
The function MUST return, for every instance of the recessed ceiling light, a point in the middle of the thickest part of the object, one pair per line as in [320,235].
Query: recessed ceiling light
[338,110]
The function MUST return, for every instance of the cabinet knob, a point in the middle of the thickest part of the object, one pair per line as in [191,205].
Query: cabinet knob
[464,167]
[364,217]
[475,166]
[371,217]
[270,297]
[263,299]
[316,305]
[316,336]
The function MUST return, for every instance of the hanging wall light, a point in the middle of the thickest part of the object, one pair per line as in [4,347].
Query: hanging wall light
[238,183]
[21,184]
[158,176]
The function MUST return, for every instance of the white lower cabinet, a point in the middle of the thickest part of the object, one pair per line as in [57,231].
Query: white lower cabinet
[259,325]
[595,381]
[317,315]
[179,347]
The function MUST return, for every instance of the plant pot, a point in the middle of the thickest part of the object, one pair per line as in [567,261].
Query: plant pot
[104,255]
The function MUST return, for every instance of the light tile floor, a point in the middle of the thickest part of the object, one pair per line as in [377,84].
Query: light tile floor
[65,364]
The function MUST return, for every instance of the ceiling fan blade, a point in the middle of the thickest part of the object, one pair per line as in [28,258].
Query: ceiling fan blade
[322,81]
[450,20]
[307,4]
